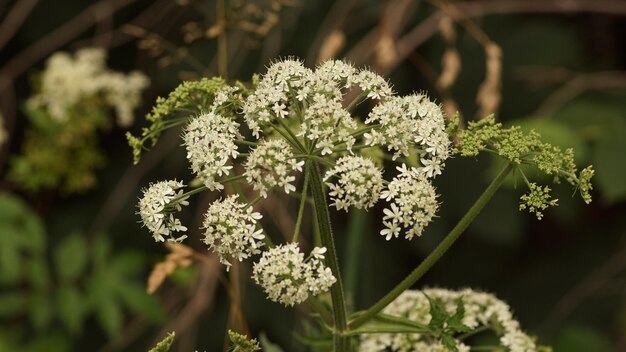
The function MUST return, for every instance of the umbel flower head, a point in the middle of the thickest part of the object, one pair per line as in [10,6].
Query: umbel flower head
[411,122]
[270,165]
[288,278]
[480,311]
[356,182]
[231,230]
[413,203]
[210,142]
[157,206]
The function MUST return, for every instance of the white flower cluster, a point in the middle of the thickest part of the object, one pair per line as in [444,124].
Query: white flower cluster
[413,203]
[358,183]
[276,91]
[482,310]
[157,206]
[210,142]
[290,89]
[288,278]
[231,230]
[326,122]
[67,80]
[270,164]
[411,121]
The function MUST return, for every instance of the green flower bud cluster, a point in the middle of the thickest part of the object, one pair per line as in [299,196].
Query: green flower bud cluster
[526,148]
[240,343]
[188,99]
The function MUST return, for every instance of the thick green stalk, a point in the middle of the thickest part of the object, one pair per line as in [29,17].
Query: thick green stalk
[341,342]
[356,227]
[434,256]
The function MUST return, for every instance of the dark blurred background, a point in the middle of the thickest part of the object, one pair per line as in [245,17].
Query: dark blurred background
[558,67]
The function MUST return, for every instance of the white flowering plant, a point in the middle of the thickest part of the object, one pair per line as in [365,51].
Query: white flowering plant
[294,131]
[74,98]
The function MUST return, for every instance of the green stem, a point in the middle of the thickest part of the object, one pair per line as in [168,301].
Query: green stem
[341,342]
[356,227]
[293,136]
[360,98]
[434,256]
[303,197]
[244,142]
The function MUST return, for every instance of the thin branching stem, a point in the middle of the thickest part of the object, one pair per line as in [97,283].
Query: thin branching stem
[437,253]
[341,342]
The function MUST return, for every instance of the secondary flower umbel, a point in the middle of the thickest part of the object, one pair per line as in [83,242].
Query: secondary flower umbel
[231,230]
[157,206]
[288,278]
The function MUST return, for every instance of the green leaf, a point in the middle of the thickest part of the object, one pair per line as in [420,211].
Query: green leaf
[607,116]
[50,342]
[101,251]
[141,303]
[40,310]
[12,304]
[38,273]
[609,159]
[21,232]
[70,257]
[10,264]
[20,225]
[267,345]
[109,316]
[128,263]
[438,314]
[582,339]
[70,304]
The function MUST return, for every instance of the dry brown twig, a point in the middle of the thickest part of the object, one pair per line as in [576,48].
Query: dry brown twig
[361,52]
[333,43]
[451,66]
[14,19]
[181,256]
[576,84]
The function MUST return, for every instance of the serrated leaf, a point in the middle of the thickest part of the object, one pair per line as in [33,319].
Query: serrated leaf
[109,316]
[449,342]
[70,257]
[70,304]
[438,314]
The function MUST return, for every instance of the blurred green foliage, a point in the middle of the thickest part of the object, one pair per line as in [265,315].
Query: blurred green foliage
[64,288]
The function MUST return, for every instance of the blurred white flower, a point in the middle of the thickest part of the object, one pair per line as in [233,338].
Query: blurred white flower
[67,80]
